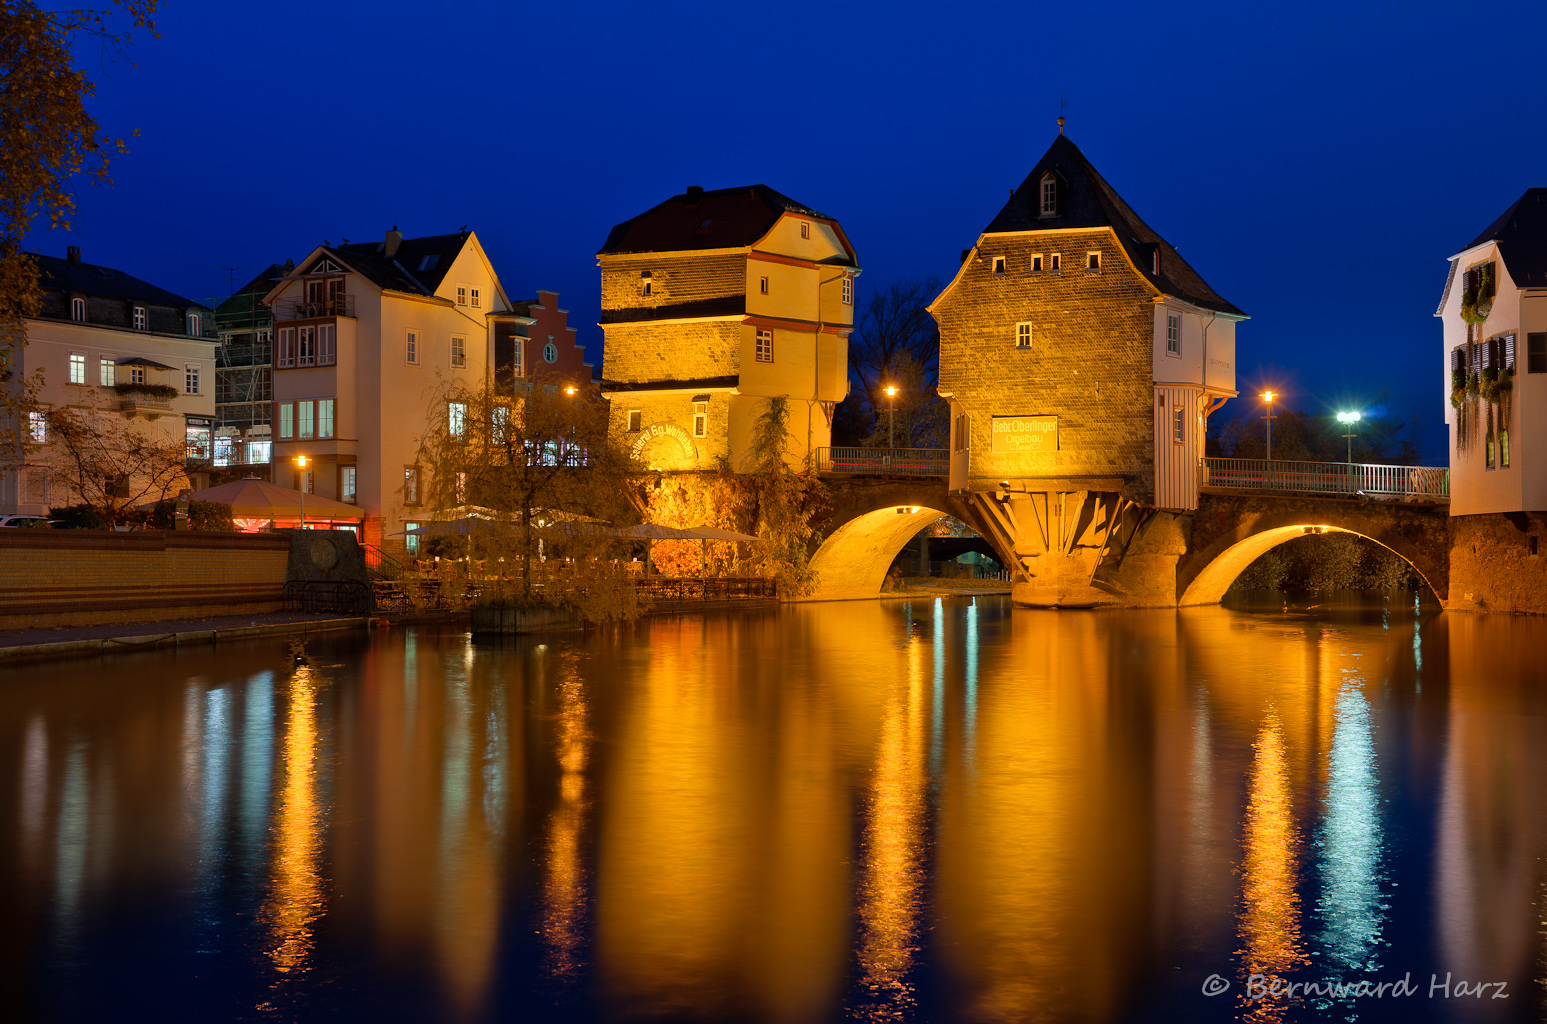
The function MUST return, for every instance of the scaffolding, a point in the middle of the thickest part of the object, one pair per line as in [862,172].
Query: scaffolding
[244,362]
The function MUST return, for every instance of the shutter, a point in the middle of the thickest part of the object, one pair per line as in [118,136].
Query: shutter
[1509,351]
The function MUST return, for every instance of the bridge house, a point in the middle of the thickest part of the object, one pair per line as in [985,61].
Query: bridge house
[1081,356]
[712,303]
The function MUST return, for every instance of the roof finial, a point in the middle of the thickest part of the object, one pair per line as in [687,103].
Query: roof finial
[1060,115]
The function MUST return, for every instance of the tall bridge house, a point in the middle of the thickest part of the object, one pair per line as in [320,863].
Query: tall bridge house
[1081,357]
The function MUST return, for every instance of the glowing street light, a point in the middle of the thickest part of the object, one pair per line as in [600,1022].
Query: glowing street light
[1268,396]
[300,461]
[1349,418]
[891,410]
[570,391]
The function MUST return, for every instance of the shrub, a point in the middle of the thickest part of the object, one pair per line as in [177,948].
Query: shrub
[165,391]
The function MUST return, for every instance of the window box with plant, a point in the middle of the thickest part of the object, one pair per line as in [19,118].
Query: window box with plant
[1477,294]
[166,392]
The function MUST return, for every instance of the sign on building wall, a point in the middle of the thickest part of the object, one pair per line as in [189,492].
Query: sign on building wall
[1025,434]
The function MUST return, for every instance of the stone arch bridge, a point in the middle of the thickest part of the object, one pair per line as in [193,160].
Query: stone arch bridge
[1117,554]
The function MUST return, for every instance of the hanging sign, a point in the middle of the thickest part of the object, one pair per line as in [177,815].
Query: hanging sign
[1025,434]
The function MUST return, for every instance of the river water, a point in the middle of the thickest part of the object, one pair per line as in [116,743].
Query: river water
[934,810]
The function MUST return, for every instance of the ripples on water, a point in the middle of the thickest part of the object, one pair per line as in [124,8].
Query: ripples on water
[922,811]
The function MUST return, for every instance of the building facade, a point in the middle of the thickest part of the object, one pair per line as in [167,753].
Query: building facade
[714,302]
[244,377]
[534,343]
[130,355]
[1081,357]
[367,339]
[1493,316]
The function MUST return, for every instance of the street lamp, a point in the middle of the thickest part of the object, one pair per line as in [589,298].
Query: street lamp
[891,410]
[570,391]
[1268,396]
[300,481]
[1349,418]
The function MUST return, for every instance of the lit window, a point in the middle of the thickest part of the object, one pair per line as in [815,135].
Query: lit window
[326,350]
[306,346]
[37,427]
[762,285]
[805,229]
[304,422]
[1036,264]
[1049,195]
[411,485]
[77,308]
[999,264]
[1173,334]
[1023,335]
[765,346]
[1179,423]
[461,486]
[456,418]
[286,420]
[461,294]
[1504,449]
[191,379]
[139,318]
[1053,262]
[500,422]
[411,348]
[107,374]
[518,357]
[193,324]
[1492,454]
[77,368]
[700,419]
[848,290]
[1093,261]
[551,351]
[458,352]
[325,417]
[411,539]
[346,483]
[473,298]
[634,418]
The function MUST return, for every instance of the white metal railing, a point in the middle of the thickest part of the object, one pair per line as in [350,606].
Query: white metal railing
[1345,479]
[884,461]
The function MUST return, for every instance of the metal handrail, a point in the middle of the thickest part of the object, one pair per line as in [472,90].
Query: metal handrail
[713,588]
[1342,479]
[884,461]
[347,596]
[311,309]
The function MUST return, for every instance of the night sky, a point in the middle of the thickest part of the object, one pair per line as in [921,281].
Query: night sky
[1317,163]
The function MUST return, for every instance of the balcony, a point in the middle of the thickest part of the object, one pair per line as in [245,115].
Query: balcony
[313,309]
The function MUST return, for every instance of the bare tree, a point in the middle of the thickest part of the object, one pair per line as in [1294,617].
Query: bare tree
[896,343]
[110,463]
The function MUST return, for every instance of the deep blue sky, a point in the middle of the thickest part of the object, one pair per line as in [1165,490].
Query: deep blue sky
[1317,162]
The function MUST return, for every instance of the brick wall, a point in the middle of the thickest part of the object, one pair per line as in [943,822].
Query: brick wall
[665,452]
[673,280]
[82,577]
[1492,567]
[672,351]
[1089,364]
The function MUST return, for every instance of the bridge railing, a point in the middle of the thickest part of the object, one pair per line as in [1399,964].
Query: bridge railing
[1341,479]
[884,461]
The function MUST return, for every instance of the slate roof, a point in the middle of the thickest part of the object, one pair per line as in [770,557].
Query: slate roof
[726,218]
[59,275]
[1521,235]
[402,271]
[1085,200]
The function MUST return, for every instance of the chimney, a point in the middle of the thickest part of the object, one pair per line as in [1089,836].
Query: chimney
[695,194]
[73,253]
[394,239]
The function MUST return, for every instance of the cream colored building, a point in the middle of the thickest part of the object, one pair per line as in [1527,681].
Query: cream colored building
[712,303]
[103,340]
[367,336]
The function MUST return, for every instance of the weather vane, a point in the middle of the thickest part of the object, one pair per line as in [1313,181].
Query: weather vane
[1061,106]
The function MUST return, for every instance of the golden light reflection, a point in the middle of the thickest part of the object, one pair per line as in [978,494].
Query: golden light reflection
[1270,916]
[564,884]
[295,899]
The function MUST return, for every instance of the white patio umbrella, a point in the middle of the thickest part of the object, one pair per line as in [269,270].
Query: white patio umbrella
[258,499]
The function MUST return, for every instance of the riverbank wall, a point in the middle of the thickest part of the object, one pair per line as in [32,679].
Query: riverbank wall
[1498,563]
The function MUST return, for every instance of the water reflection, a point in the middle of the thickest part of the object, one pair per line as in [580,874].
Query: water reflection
[940,810]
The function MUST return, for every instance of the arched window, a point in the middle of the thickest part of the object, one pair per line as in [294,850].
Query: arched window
[1049,195]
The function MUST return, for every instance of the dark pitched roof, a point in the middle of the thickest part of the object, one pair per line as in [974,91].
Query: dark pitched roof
[410,269]
[1521,235]
[249,297]
[730,305]
[672,385]
[1085,200]
[59,275]
[726,218]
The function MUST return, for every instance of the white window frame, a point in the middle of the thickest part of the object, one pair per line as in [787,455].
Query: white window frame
[1173,334]
[78,309]
[284,350]
[461,294]
[762,285]
[805,229]
[551,351]
[78,368]
[1055,263]
[499,423]
[459,352]
[1023,336]
[1093,262]
[107,371]
[305,421]
[327,344]
[848,290]
[456,419]
[137,375]
[1047,195]
[998,265]
[306,345]
[348,484]
[700,419]
[193,325]
[327,425]
[140,319]
[411,348]
[474,299]
[411,488]
[284,416]
[635,420]
[646,284]
[191,380]
[1179,423]
[764,346]
[518,356]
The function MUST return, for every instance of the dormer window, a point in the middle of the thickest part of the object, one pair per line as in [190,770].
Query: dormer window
[805,229]
[1093,262]
[1155,261]
[139,318]
[78,309]
[428,263]
[998,264]
[193,325]
[1049,192]
[646,287]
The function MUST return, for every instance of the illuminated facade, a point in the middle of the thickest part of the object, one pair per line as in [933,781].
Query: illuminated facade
[1081,357]
[1494,320]
[111,345]
[366,336]
[712,303]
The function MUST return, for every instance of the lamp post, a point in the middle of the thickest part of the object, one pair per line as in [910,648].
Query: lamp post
[300,481]
[1349,418]
[1268,396]
[891,410]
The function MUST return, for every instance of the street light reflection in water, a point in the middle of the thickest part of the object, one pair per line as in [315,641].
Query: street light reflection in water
[893,811]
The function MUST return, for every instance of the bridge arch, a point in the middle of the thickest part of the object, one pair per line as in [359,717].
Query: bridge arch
[1206,572]
[869,522]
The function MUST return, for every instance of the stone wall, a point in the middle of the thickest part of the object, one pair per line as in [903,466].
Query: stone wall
[84,577]
[673,351]
[663,449]
[1090,362]
[1492,565]
[673,280]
